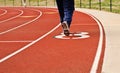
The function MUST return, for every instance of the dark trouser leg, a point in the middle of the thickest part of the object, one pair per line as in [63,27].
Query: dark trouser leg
[68,6]
[61,9]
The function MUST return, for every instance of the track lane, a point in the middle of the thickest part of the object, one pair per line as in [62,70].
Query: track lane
[11,14]
[4,39]
[26,33]
[3,12]
[18,26]
[9,25]
[51,55]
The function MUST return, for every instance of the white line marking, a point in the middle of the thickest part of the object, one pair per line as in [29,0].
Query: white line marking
[74,36]
[12,17]
[5,11]
[20,41]
[99,49]
[22,24]
[30,44]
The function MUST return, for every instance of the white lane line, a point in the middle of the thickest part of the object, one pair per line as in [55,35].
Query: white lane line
[13,17]
[5,11]
[20,41]
[40,14]
[99,49]
[30,44]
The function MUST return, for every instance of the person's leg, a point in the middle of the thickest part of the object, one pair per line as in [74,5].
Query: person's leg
[24,3]
[60,9]
[68,10]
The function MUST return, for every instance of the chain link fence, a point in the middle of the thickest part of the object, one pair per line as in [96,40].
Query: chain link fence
[107,5]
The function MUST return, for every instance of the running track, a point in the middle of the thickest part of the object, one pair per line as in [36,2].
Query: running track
[28,43]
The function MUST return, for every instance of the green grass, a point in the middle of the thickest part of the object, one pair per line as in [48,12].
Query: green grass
[95,4]
[105,5]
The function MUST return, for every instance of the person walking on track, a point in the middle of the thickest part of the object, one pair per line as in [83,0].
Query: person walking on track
[66,10]
[24,3]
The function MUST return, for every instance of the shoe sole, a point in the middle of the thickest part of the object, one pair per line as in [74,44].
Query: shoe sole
[66,32]
[66,29]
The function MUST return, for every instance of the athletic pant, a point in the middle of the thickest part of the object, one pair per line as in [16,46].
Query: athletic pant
[66,9]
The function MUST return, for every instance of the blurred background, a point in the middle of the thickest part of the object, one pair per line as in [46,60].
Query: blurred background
[104,5]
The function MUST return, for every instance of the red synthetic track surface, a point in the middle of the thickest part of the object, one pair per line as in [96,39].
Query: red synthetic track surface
[27,43]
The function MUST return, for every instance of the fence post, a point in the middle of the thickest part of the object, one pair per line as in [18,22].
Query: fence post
[5,2]
[100,4]
[111,5]
[54,2]
[46,3]
[13,2]
[29,3]
[80,3]
[21,2]
[38,2]
[90,4]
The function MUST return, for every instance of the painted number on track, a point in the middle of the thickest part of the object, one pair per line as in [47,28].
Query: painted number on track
[80,35]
